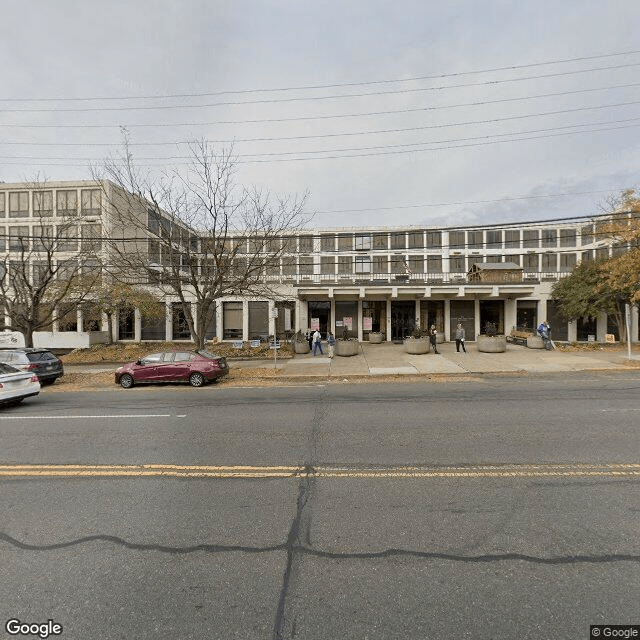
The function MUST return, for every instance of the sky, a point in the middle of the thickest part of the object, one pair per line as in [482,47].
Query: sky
[385,113]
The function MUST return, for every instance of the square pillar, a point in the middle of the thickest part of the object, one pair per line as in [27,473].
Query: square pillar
[388,319]
[168,321]
[447,319]
[137,325]
[476,314]
[245,320]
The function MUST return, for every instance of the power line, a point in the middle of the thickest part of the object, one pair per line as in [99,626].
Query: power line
[335,85]
[304,99]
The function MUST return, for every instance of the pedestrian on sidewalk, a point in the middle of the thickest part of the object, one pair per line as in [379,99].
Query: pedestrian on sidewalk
[309,336]
[460,338]
[317,343]
[432,338]
[331,341]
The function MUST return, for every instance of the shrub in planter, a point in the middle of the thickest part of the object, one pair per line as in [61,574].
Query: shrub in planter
[347,344]
[376,337]
[491,341]
[300,343]
[418,343]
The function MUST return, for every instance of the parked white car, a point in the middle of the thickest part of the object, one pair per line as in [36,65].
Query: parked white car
[16,385]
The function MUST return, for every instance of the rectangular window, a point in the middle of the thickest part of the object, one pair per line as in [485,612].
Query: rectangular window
[512,239]
[328,243]
[475,240]
[18,239]
[43,238]
[457,264]
[306,244]
[434,239]
[494,239]
[602,253]
[550,262]
[18,204]
[152,326]
[567,261]
[67,203]
[258,320]
[345,265]
[240,245]
[456,240]
[67,269]
[289,266]
[90,202]
[549,237]
[494,258]
[381,241]
[154,251]
[530,239]
[180,325]
[397,264]
[531,262]
[434,264]
[568,237]
[512,257]
[363,264]
[3,211]
[398,241]
[380,265]
[345,242]
[42,204]
[328,265]
[416,264]
[416,240]
[3,242]
[91,237]
[67,237]
[306,266]
[363,243]
[153,221]
[232,320]
[586,233]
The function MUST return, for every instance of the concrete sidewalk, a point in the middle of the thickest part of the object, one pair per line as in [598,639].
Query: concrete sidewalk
[391,359]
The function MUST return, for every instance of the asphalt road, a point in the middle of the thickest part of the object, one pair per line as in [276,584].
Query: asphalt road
[497,508]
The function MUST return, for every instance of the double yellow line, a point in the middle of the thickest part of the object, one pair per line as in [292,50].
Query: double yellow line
[572,470]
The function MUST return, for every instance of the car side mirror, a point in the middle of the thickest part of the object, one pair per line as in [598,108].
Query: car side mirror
[139,362]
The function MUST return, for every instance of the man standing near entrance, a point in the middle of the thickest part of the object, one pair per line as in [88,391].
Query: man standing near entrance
[317,343]
[460,337]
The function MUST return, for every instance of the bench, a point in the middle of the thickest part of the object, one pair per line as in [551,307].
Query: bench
[519,336]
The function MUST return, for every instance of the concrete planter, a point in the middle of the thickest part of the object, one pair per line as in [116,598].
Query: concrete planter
[301,347]
[492,344]
[535,342]
[375,337]
[416,346]
[347,347]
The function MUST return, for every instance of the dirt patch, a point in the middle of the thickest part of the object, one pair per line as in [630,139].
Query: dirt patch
[122,352]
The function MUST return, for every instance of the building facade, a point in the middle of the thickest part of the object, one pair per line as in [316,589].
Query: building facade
[346,280]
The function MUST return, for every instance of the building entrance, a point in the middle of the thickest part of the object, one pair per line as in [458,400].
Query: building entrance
[492,312]
[320,310]
[402,319]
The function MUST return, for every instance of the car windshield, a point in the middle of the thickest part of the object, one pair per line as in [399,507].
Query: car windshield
[39,356]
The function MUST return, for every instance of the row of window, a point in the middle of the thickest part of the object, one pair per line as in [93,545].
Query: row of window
[19,238]
[485,239]
[26,204]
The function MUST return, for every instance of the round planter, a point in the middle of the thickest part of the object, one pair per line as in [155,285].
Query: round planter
[347,347]
[375,337]
[492,344]
[416,346]
[301,347]
[535,342]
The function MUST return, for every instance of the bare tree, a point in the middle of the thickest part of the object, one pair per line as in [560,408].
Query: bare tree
[44,276]
[197,235]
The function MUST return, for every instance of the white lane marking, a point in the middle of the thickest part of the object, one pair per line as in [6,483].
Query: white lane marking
[142,415]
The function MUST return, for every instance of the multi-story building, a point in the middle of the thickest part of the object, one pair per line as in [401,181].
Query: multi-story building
[355,279]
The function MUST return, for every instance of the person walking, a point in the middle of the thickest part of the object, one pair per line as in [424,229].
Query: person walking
[460,338]
[331,341]
[432,338]
[317,343]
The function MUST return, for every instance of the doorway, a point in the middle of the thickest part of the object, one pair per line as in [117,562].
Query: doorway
[320,310]
[492,313]
[402,319]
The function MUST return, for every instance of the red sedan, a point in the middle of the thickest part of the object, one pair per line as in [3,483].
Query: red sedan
[195,367]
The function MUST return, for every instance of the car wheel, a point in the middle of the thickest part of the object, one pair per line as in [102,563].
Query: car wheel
[196,379]
[47,382]
[126,381]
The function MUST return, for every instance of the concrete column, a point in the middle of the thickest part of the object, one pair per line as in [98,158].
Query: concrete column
[634,324]
[572,331]
[302,315]
[79,319]
[360,337]
[168,321]
[601,326]
[416,315]
[219,319]
[137,325]
[447,319]
[272,320]
[333,316]
[510,315]
[245,319]
[476,314]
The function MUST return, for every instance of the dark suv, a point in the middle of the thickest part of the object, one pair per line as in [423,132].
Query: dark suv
[40,361]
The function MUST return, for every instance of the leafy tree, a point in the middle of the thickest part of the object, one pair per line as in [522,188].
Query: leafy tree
[587,291]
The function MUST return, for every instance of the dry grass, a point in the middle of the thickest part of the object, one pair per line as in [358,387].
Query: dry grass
[128,352]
